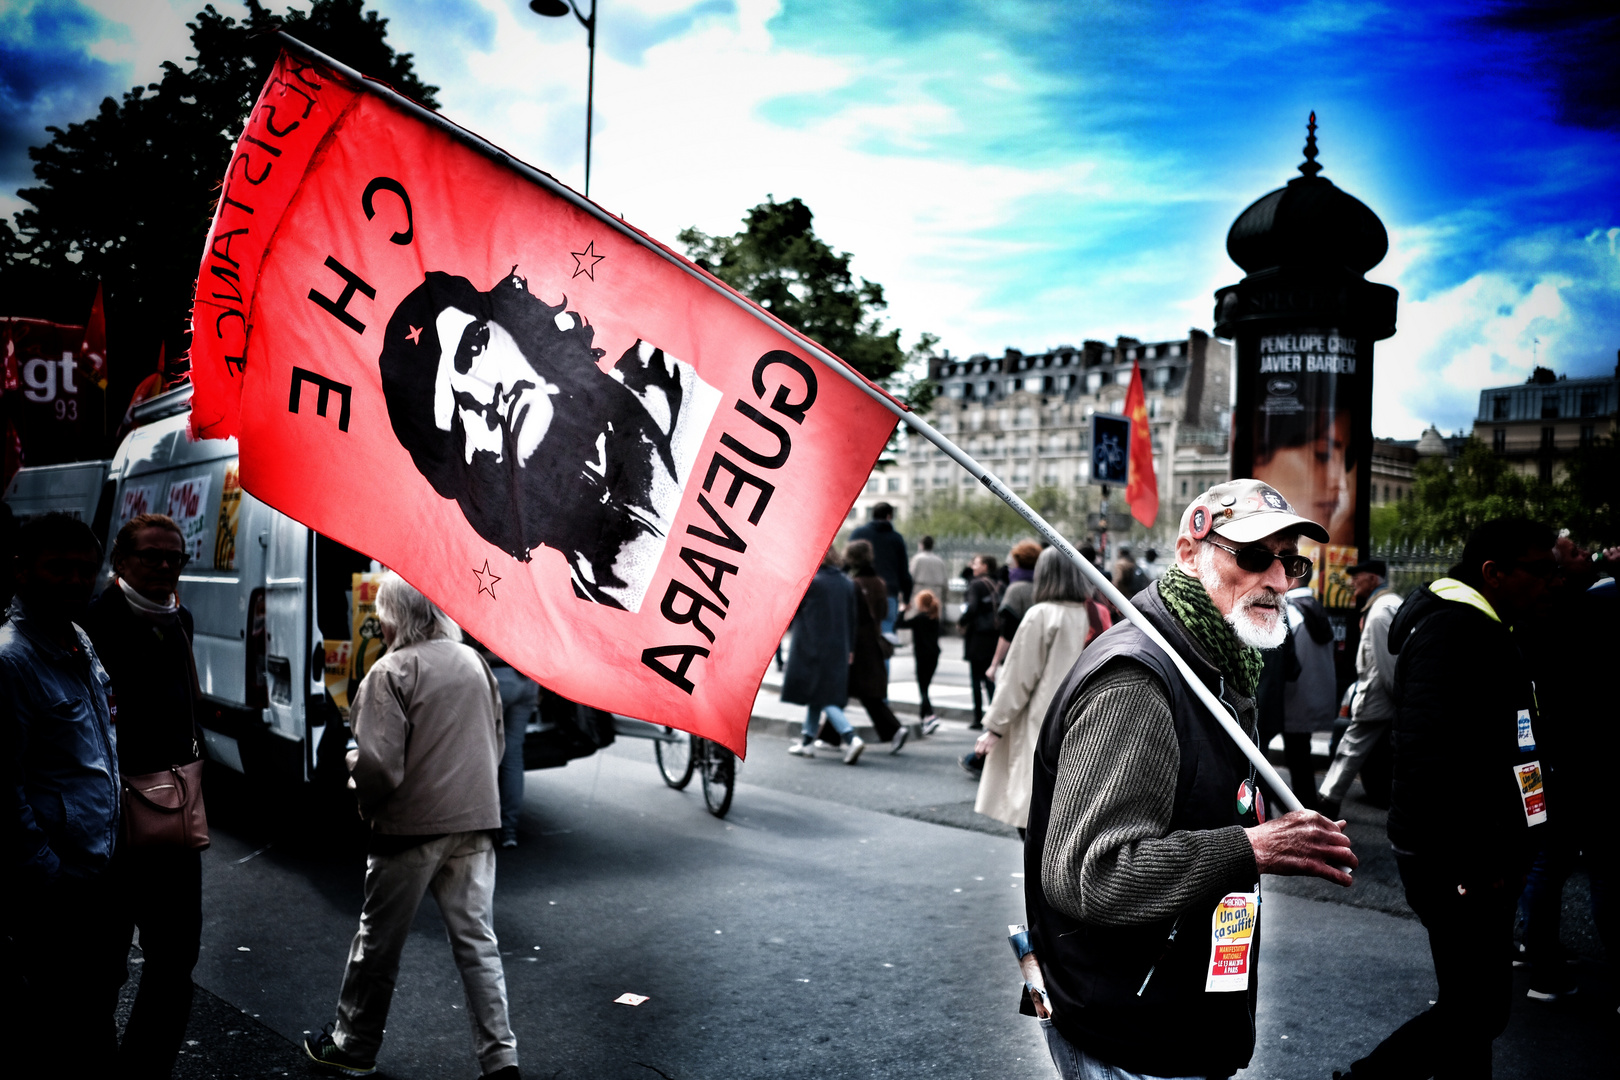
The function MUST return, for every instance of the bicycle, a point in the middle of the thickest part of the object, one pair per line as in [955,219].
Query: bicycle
[680,755]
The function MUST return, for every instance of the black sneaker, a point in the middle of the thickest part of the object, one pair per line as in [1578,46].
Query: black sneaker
[1551,982]
[323,1051]
[508,1073]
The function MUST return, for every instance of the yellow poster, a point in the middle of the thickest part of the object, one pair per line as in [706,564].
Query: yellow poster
[230,508]
[1330,582]
[368,645]
[339,652]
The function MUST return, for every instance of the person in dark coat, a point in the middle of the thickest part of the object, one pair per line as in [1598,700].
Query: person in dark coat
[817,674]
[143,635]
[923,622]
[869,671]
[1468,798]
[888,559]
[979,637]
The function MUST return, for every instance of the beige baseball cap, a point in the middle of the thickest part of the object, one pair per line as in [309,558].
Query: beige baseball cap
[1244,511]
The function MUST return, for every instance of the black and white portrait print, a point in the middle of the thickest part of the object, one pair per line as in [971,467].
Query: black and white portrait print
[504,408]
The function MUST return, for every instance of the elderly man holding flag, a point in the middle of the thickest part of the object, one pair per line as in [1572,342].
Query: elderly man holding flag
[1147,832]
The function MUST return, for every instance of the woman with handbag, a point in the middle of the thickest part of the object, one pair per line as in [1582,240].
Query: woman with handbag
[143,637]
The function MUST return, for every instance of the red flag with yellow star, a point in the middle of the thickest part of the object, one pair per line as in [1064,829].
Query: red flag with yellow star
[604,464]
[1142,492]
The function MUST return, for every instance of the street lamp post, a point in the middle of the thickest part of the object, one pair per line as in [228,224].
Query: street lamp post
[556,9]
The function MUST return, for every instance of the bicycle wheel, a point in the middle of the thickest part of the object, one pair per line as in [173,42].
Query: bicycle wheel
[675,758]
[719,777]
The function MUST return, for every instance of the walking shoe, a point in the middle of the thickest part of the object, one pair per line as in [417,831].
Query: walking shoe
[831,748]
[1551,982]
[800,749]
[899,740]
[508,841]
[930,725]
[323,1051]
[1328,808]
[852,752]
[508,1073]
[972,764]
[977,725]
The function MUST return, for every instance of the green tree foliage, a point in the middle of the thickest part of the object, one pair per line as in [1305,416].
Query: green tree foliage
[127,195]
[948,513]
[1450,499]
[778,261]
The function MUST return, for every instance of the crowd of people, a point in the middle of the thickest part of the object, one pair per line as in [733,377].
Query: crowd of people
[1143,820]
[106,821]
[1466,713]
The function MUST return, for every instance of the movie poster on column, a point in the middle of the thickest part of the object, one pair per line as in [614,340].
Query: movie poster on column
[1304,442]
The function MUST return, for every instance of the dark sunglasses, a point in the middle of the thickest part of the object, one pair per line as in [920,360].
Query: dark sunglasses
[1257,560]
[152,558]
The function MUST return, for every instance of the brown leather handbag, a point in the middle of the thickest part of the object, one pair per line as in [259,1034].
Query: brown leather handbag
[165,809]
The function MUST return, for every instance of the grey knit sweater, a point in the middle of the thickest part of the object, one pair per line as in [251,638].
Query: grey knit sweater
[1110,858]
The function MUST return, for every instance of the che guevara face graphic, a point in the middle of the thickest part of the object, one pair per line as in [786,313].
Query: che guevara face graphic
[501,401]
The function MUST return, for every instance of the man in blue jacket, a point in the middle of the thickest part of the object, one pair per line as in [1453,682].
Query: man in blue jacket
[62,807]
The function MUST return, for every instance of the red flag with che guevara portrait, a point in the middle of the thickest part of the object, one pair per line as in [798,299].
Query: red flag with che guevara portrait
[593,459]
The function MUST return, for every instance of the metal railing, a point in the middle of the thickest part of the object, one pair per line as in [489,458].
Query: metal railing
[1412,564]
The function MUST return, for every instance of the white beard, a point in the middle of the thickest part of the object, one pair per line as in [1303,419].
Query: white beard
[1253,633]
[1243,620]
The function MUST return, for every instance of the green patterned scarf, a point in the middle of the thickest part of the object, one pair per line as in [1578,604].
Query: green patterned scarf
[1184,595]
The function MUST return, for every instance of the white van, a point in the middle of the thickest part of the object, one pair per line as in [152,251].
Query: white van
[266,593]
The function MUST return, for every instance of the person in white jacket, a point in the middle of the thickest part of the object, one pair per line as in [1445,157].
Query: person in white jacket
[1372,709]
[1046,645]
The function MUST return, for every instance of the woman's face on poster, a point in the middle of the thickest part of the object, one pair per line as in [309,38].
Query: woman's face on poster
[1313,477]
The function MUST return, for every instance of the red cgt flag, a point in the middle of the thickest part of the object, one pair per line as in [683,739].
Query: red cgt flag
[1142,491]
[594,458]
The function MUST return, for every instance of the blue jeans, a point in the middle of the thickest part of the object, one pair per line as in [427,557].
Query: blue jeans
[894,613]
[1074,1063]
[835,716]
[520,697]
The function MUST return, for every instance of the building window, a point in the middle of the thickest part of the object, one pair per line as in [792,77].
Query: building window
[1588,434]
[1545,472]
[1499,407]
[894,483]
[1549,406]
[1499,440]
[1590,402]
[874,483]
[1386,493]
[1546,438]
[1184,489]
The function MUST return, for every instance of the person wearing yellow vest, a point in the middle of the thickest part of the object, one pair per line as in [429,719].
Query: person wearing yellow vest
[1469,791]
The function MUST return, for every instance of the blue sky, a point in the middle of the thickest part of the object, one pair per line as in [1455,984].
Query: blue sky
[1029,174]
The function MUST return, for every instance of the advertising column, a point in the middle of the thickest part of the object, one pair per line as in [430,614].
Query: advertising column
[1305,318]
[1308,388]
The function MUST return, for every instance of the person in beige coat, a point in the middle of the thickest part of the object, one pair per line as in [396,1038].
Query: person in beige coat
[1046,645]
[427,725]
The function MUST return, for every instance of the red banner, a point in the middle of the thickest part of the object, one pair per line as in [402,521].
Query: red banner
[1142,492]
[603,468]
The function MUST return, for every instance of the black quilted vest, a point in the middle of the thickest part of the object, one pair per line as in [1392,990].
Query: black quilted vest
[1092,972]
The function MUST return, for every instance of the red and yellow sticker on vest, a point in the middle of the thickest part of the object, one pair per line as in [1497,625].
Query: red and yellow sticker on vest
[1535,799]
[1231,943]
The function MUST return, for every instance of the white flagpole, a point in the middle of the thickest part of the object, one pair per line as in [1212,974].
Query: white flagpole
[911,419]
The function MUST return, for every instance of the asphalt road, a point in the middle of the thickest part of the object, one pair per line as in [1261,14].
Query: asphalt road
[841,922]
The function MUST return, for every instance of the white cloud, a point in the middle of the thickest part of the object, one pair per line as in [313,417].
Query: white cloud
[1548,298]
